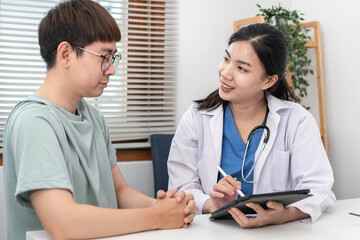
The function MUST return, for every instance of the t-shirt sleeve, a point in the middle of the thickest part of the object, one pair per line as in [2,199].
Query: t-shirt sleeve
[38,155]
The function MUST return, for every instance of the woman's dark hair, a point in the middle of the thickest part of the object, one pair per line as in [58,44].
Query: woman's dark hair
[79,22]
[270,46]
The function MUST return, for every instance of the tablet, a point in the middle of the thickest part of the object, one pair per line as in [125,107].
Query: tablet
[285,198]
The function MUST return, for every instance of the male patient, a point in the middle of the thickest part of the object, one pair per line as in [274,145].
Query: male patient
[60,167]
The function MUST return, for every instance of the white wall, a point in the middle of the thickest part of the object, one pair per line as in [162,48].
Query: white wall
[204,28]
[139,175]
[340,34]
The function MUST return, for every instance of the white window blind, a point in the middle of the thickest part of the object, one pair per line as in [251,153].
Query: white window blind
[140,98]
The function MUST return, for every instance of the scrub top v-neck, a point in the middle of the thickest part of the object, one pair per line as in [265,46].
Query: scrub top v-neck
[233,149]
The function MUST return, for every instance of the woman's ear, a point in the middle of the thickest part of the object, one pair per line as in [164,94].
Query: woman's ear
[270,81]
[63,56]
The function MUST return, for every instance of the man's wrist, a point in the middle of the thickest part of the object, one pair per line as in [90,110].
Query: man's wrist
[154,201]
[155,216]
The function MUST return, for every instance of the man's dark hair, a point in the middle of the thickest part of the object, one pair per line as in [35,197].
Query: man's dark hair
[78,22]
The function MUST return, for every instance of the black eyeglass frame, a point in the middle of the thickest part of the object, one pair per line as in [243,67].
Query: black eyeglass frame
[115,60]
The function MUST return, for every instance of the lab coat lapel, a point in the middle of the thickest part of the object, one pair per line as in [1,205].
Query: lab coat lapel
[214,120]
[272,123]
[216,128]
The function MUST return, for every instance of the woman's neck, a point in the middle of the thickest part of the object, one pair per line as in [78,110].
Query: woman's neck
[249,111]
[248,116]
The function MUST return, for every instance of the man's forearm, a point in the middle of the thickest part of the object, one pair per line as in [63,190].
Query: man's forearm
[131,198]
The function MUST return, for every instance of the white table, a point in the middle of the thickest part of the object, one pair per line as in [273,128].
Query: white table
[337,223]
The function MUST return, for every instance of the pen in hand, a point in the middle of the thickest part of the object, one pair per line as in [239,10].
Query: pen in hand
[224,174]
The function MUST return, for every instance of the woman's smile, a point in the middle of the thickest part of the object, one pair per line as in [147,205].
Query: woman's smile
[226,88]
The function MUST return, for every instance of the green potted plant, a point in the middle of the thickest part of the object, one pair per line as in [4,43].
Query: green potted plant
[289,22]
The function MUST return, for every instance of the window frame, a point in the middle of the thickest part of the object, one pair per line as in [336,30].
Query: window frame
[149,38]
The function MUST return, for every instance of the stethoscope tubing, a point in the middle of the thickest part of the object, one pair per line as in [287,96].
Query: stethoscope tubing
[266,139]
[251,134]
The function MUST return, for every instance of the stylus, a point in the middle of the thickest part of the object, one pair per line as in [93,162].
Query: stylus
[224,174]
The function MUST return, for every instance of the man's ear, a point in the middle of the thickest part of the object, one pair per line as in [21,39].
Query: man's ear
[64,54]
[270,81]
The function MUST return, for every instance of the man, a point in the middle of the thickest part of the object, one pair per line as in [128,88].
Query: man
[59,165]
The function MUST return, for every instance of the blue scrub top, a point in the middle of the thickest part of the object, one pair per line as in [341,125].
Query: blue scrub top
[233,149]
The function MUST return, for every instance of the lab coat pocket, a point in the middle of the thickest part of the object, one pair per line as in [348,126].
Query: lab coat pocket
[280,170]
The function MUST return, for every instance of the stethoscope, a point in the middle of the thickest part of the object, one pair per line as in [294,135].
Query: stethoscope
[251,134]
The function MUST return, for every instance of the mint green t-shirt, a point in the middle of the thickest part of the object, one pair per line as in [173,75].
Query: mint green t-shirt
[47,147]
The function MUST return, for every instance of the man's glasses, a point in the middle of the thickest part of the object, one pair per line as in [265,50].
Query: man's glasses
[107,59]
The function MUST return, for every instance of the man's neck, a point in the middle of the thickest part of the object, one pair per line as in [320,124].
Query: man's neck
[54,89]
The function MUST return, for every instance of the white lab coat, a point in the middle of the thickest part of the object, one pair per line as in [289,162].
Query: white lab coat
[294,157]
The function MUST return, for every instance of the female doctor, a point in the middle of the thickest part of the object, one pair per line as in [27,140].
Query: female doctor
[284,152]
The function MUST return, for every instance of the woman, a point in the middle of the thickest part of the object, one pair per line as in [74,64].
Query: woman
[214,131]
